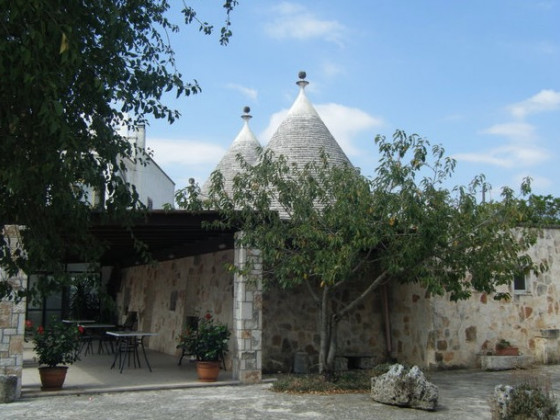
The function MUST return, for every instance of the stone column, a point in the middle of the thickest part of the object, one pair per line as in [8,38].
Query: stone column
[247,317]
[12,330]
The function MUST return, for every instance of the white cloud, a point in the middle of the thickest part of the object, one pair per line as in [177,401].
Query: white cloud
[520,150]
[293,21]
[510,156]
[545,100]
[485,157]
[454,117]
[245,91]
[519,131]
[331,69]
[185,152]
[273,124]
[344,123]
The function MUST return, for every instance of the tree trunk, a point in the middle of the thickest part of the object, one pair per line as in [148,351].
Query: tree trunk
[324,330]
[333,333]
[330,317]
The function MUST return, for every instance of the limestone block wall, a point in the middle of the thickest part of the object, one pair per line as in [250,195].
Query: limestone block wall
[290,325]
[435,332]
[411,324]
[166,293]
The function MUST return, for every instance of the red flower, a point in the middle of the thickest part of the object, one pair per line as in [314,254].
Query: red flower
[40,329]
[81,329]
[28,323]
[208,316]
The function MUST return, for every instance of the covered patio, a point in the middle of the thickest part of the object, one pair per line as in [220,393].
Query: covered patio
[185,252]
[93,374]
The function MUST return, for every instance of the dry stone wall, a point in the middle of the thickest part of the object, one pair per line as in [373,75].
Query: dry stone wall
[435,332]
[165,294]
[290,326]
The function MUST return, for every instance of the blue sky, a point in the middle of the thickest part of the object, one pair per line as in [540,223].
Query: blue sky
[480,77]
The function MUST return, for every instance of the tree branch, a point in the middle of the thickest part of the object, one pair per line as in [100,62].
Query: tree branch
[381,279]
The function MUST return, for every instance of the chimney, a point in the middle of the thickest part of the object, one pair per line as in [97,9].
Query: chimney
[141,136]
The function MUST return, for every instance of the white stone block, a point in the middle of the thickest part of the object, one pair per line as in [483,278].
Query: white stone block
[505,362]
[247,311]
[249,296]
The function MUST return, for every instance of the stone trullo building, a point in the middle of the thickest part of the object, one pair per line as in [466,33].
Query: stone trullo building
[402,322]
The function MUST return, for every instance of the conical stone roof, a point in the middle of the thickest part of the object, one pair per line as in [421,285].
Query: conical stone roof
[246,145]
[303,135]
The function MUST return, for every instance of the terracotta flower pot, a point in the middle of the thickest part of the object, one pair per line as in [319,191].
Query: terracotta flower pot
[208,371]
[52,377]
[507,351]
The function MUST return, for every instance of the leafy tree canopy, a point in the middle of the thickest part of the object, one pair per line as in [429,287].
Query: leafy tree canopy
[324,226]
[72,73]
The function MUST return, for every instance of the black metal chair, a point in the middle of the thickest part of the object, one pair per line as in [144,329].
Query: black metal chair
[127,349]
[130,323]
[86,343]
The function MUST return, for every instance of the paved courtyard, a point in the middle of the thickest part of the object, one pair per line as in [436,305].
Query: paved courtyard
[463,395]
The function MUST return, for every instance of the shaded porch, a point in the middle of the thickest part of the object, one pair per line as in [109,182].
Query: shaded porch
[93,374]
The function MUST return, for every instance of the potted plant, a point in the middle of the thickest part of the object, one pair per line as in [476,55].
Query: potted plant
[56,344]
[504,348]
[208,342]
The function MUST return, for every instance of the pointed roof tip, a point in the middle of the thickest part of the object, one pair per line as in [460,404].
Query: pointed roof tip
[245,144]
[302,83]
[246,116]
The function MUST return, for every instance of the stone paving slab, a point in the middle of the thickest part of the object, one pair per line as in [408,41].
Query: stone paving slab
[464,395]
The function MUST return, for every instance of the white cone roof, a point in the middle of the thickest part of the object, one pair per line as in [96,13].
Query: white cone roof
[246,145]
[302,135]
[301,138]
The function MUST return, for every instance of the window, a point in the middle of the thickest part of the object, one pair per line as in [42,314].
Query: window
[521,284]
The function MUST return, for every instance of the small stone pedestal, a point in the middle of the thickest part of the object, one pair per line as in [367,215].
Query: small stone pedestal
[8,388]
[505,362]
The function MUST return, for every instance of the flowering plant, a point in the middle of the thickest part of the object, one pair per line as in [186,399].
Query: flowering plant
[208,341]
[56,344]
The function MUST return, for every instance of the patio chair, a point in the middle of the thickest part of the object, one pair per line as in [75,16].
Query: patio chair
[127,349]
[130,323]
[86,342]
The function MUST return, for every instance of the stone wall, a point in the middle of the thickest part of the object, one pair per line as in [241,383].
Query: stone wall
[435,332]
[428,331]
[291,321]
[166,293]
[12,331]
